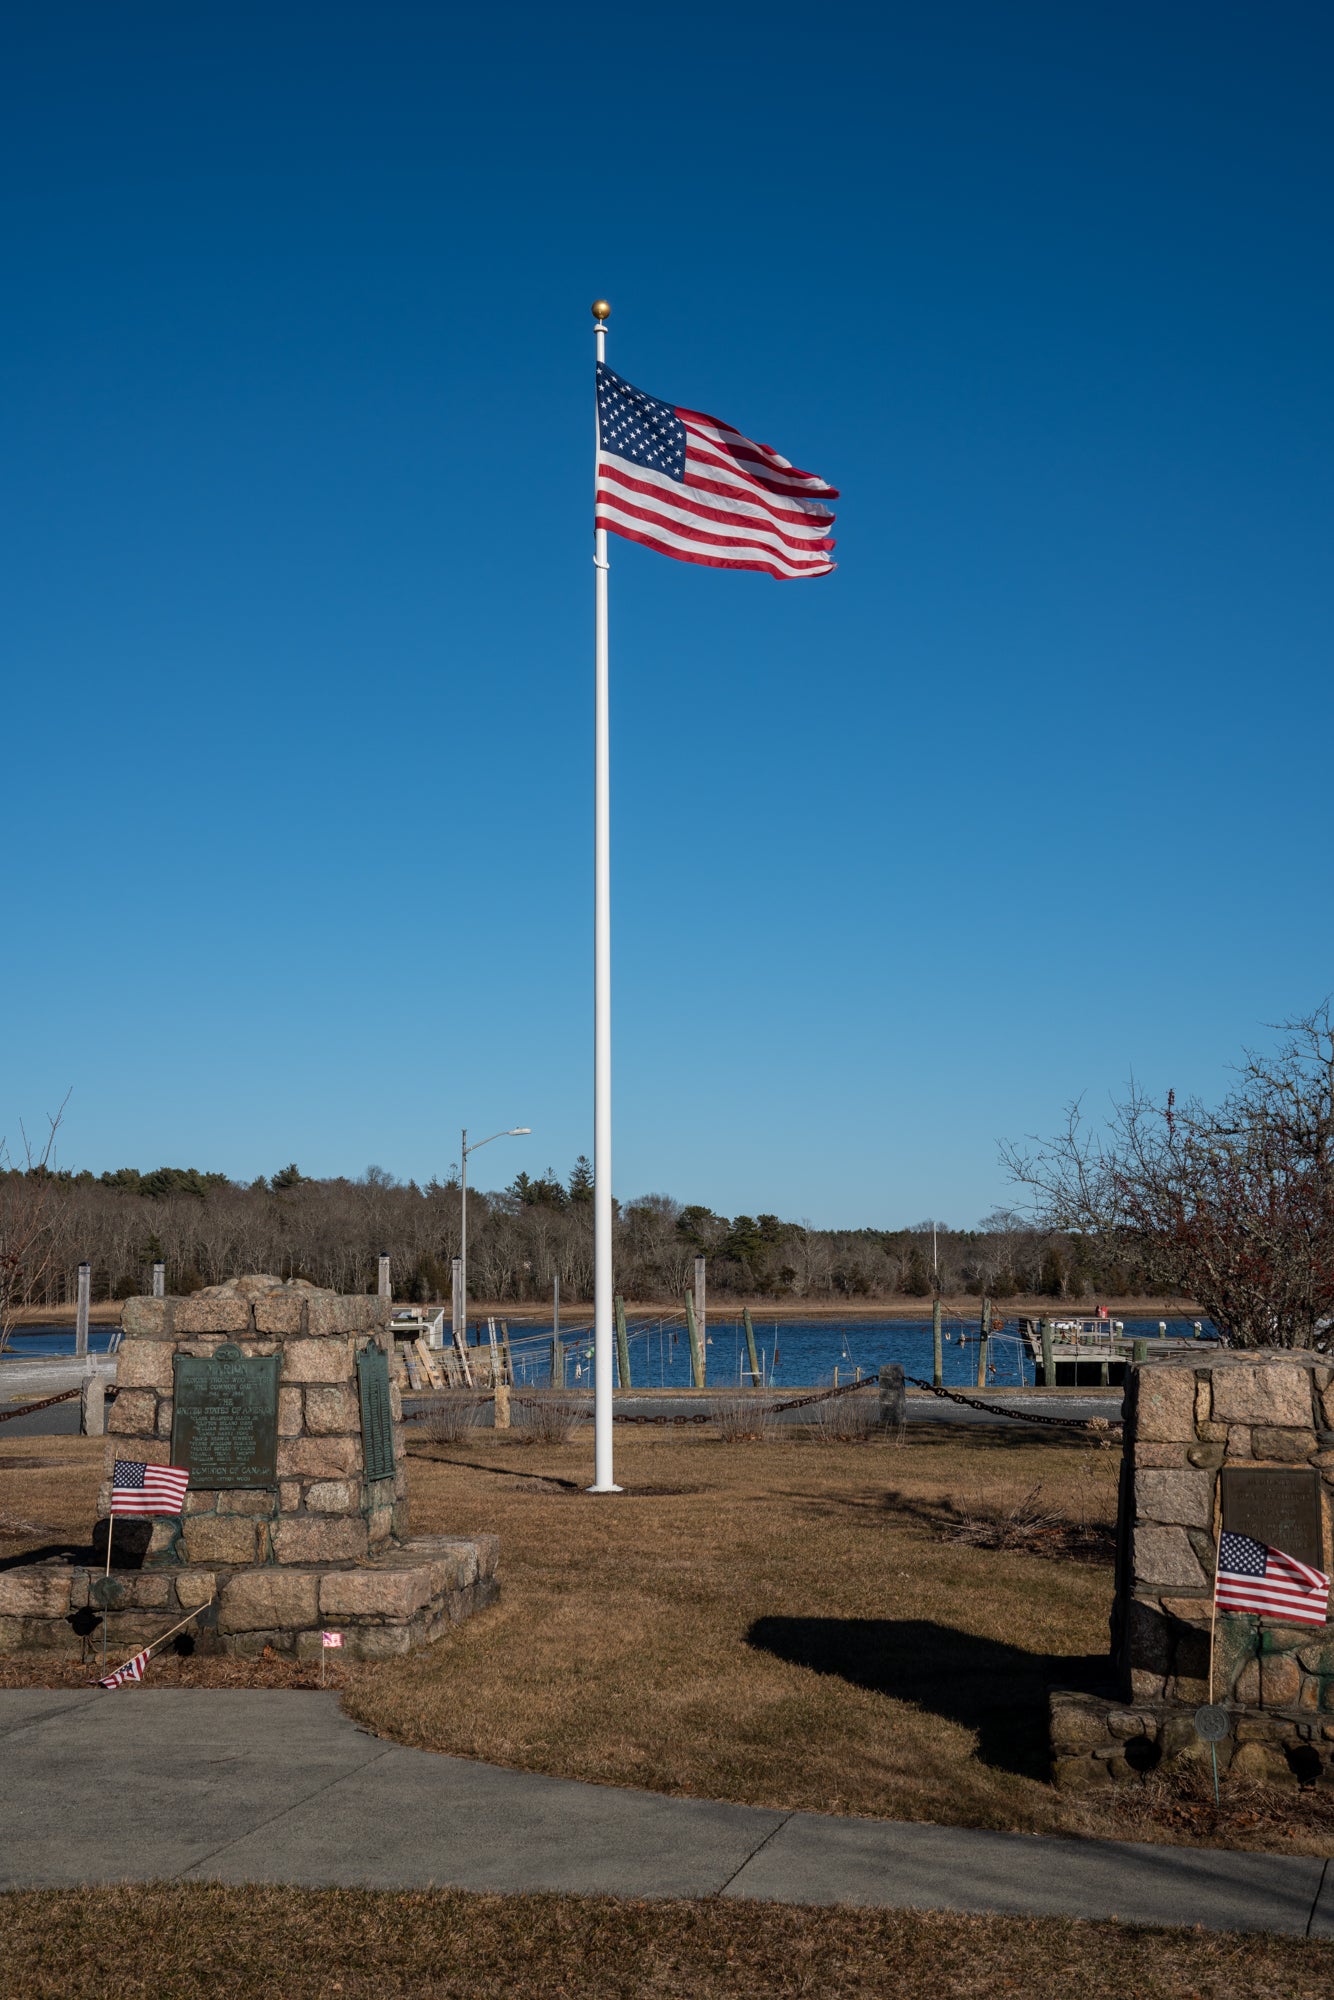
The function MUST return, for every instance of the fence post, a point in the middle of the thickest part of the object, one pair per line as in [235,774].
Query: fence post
[696,1346]
[752,1358]
[1048,1356]
[893,1396]
[937,1348]
[159,1281]
[983,1340]
[92,1406]
[382,1288]
[81,1310]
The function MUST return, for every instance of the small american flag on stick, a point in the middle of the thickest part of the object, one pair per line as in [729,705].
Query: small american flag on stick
[692,487]
[1253,1577]
[147,1489]
[133,1670]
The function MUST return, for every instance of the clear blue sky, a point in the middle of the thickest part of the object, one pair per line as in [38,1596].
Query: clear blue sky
[296,477]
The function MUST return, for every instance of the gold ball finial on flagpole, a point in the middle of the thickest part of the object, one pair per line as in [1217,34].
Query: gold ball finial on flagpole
[601,309]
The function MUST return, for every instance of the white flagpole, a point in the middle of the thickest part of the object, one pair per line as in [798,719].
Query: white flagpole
[603,1479]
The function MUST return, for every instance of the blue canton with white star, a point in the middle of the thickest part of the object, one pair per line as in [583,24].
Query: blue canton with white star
[1242,1555]
[638,427]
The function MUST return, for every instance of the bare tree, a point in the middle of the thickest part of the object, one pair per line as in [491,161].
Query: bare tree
[31,1200]
[1233,1206]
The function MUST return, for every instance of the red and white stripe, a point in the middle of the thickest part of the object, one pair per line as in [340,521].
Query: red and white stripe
[1289,1590]
[133,1670]
[742,505]
[162,1492]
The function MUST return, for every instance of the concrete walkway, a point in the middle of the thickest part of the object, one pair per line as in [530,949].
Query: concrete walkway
[253,1786]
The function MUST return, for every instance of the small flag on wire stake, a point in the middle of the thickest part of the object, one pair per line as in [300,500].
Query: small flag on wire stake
[147,1489]
[332,1638]
[133,1670]
[329,1641]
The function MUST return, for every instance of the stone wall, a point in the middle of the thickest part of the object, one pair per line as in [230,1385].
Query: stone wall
[322,1508]
[406,1599]
[1095,1742]
[1184,1422]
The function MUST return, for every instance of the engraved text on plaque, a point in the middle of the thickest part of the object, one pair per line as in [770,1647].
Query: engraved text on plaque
[224,1424]
[1274,1505]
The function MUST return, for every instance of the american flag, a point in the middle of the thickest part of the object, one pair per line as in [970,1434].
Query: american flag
[694,488]
[147,1489]
[133,1670]
[1254,1577]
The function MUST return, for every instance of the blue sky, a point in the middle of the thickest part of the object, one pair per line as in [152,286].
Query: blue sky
[297,636]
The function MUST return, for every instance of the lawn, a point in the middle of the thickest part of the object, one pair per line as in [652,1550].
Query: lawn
[788,1624]
[177,1940]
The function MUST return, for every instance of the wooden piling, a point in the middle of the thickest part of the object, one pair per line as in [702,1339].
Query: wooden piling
[1048,1355]
[1141,1350]
[701,1305]
[159,1280]
[696,1346]
[622,1344]
[937,1348]
[81,1310]
[382,1283]
[557,1351]
[752,1358]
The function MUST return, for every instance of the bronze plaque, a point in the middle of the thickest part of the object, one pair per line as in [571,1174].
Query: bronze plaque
[224,1423]
[377,1419]
[1274,1505]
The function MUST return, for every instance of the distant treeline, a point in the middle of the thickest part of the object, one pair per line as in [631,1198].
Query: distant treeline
[206,1227]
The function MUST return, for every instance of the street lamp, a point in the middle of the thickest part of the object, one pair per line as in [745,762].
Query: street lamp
[511,1132]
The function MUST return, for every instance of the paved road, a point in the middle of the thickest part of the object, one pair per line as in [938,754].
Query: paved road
[61,1420]
[922,1409]
[249,1786]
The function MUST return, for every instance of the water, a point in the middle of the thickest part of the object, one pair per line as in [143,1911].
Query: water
[797,1353]
[28,1341]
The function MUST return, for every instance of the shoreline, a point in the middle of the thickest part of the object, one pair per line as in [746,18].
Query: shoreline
[107,1312]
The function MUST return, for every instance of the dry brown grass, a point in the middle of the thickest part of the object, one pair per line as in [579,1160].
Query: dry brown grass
[179,1941]
[783,1626]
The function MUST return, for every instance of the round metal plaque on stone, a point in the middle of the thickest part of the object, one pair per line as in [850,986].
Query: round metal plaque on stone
[1211,1723]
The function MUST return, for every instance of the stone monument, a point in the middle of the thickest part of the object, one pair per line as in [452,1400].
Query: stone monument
[280,1401]
[1242,1441]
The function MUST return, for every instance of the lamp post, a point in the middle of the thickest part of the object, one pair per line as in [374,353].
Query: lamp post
[510,1132]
